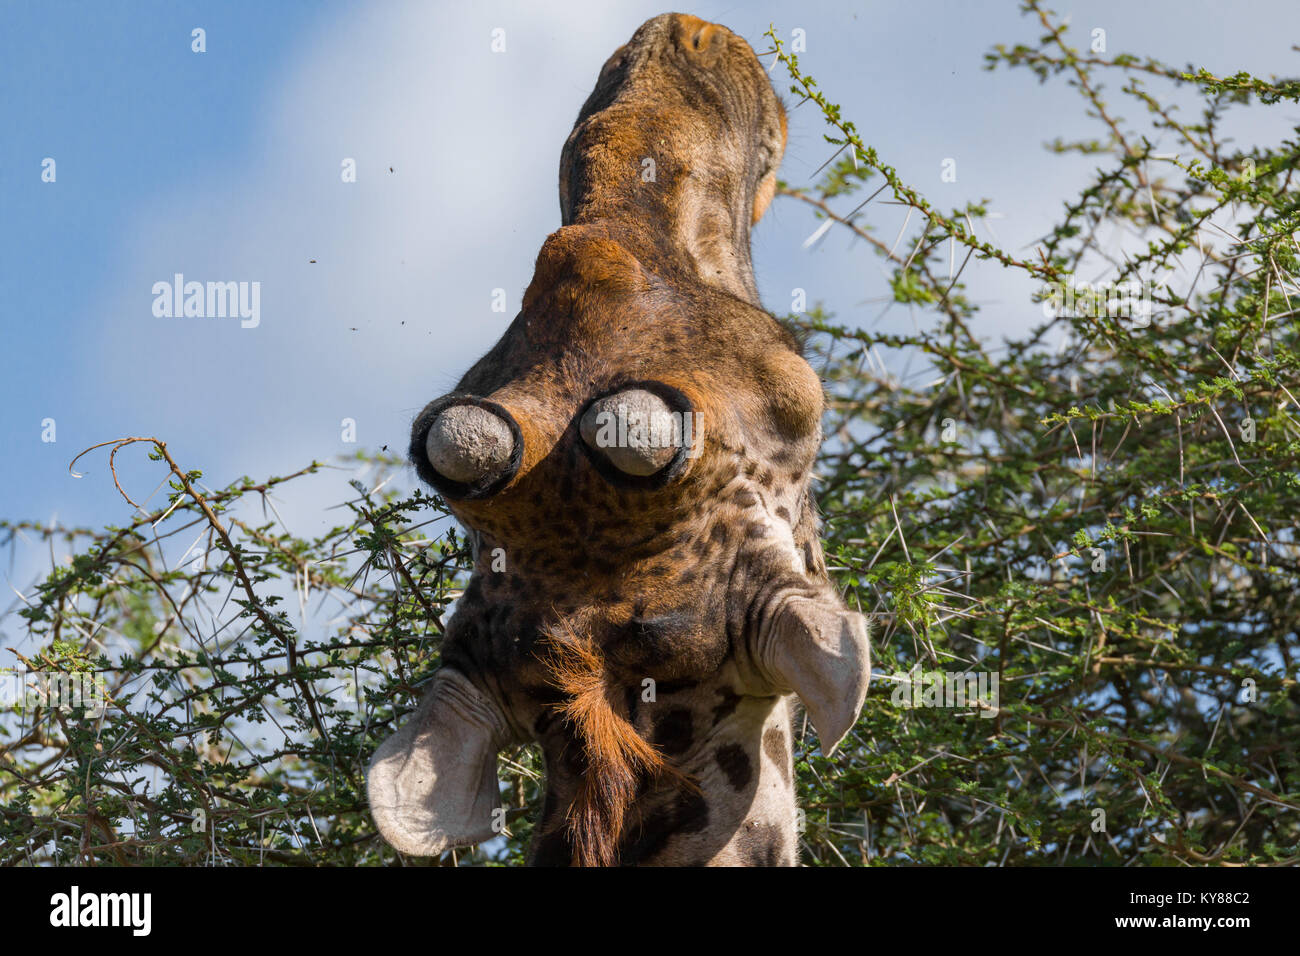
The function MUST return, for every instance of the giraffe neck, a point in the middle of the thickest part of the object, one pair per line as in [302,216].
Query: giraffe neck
[693,220]
[676,152]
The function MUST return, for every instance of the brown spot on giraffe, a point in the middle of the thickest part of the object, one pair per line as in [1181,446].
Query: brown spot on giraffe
[639,445]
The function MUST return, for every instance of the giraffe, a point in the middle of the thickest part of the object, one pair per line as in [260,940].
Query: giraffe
[632,463]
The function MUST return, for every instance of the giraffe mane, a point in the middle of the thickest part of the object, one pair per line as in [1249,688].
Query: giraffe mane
[618,757]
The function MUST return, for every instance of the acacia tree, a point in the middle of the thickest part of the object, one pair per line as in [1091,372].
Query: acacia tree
[1100,515]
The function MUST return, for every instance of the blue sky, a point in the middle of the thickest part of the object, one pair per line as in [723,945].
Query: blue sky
[225,166]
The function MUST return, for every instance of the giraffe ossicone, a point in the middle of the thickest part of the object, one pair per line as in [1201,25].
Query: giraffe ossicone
[635,429]
[468,443]
[640,444]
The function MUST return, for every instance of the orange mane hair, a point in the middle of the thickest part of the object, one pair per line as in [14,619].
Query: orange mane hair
[618,757]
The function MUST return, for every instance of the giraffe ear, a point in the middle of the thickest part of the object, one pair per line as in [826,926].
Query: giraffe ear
[433,784]
[819,649]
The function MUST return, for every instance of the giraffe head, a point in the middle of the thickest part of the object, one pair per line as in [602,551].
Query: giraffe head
[632,460]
